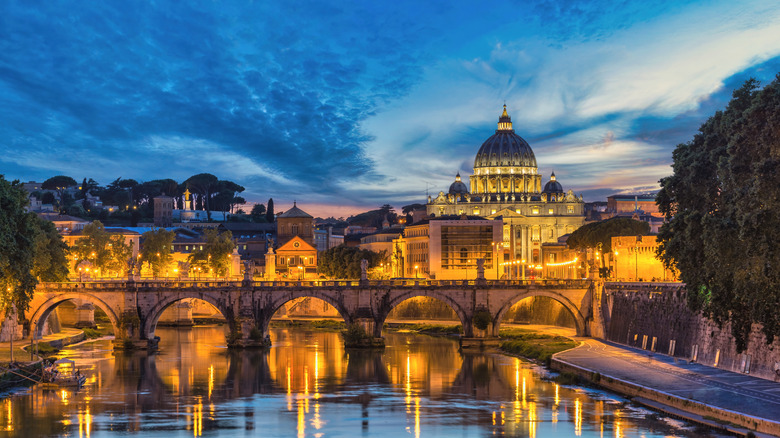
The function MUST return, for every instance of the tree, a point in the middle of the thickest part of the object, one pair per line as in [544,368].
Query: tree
[258,213]
[107,253]
[721,206]
[343,261]
[87,187]
[204,184]
[59,184]
[18,232]
[601,233]
[216,253]
[374,218]
[156,249]
[269,213]
[48,198]
[50,262]
[233,189]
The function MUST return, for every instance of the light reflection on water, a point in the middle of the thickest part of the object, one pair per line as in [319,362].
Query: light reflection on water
[308,385]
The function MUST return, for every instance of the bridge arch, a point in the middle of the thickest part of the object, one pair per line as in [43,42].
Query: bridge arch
[280,301]
[579,319]
[153,316]
[42,312]
[394,301]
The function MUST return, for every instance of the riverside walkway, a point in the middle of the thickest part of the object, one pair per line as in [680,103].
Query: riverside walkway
[722,399]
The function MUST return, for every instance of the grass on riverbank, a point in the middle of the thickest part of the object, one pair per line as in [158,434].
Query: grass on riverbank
[319,324]
[426,329]
[533,345]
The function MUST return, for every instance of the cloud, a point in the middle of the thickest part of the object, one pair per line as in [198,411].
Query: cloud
[366,103]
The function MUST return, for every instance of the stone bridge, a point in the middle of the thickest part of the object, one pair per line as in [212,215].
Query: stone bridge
[135,307]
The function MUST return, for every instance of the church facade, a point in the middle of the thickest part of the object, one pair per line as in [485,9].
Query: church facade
[507,185]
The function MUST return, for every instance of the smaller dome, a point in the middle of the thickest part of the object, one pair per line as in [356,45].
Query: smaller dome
[458,187]
[553,186]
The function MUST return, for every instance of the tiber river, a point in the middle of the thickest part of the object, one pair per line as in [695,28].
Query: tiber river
[307,385]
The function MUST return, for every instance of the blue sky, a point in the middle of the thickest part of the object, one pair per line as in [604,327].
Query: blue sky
[345,106]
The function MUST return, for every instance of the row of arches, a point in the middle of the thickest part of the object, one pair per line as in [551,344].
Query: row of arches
[539,306]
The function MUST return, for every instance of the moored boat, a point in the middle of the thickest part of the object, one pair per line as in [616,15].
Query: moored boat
[63,372]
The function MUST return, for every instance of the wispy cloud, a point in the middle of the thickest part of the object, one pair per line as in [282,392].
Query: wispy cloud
[357,104]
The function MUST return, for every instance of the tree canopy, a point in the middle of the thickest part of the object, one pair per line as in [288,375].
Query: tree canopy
[30,249]
[721,205]
[601,233]
[269,213]
[107,253]
[156,249]
[216,253]
[343,261]
[59,182]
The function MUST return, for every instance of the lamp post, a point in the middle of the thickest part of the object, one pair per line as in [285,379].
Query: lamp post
[636,257]
[522,262]
[616,264]
[415,271]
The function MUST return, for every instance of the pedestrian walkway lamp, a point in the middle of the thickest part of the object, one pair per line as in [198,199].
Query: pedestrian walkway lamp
[522,262]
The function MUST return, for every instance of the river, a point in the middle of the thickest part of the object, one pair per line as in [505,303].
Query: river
[307,385]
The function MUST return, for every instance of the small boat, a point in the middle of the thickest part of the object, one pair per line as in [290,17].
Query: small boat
[63,372]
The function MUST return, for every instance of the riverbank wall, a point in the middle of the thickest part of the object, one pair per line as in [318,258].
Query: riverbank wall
[659,320]
[698,412]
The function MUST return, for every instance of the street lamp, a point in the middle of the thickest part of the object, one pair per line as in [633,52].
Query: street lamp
[522,262]
[616,263]
[636,257]
[415,271]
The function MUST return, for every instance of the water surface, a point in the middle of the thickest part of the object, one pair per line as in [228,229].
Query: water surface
[307,385]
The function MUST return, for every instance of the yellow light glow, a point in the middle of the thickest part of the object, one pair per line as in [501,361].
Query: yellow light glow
[577,417]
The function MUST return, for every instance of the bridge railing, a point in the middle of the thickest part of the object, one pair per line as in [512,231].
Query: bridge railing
[146,284]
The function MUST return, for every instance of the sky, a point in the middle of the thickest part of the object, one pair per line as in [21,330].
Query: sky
[345,106]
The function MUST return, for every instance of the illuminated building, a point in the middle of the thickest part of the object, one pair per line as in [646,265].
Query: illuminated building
[296,260]
[294,222]
[447,248]
[634,259]
[506,185]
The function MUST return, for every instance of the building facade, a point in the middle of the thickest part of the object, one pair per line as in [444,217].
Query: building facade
[294,222]
[507,185]
[447,248]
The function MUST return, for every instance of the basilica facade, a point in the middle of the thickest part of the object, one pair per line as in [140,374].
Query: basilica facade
[506,185]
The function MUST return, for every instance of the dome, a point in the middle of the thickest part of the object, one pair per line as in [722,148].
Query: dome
[458,188]
[552,185]
[505,148]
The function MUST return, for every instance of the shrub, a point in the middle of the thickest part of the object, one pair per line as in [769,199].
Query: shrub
[482,319]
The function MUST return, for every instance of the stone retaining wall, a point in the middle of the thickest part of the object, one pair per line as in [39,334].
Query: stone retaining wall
[638,317]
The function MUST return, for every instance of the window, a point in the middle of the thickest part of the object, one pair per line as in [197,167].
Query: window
[570,209]
[550,211]
[534,210]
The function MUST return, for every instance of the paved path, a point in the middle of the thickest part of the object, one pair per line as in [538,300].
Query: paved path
[24,356]
[712,386]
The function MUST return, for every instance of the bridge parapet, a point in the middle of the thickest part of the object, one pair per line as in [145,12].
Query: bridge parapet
[115,285]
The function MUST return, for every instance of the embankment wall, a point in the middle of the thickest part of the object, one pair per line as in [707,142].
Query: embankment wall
[639,316]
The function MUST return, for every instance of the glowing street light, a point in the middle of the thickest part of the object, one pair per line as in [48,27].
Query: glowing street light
[616,263]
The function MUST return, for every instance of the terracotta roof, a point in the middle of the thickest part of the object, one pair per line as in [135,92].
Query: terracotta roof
[295,212]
